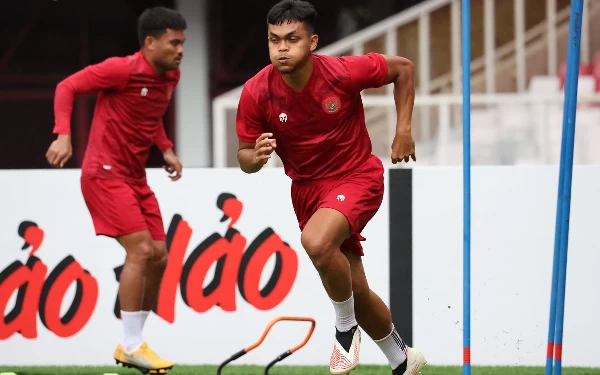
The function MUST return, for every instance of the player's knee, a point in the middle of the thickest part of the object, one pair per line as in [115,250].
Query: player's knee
[141,252]
[319,250]
[161,257]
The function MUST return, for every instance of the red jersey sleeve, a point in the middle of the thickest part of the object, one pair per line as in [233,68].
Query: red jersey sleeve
[367,71]
[161,140]
[249,119]
[112,73]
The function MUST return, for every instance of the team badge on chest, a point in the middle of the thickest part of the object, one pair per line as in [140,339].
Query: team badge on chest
[331,104]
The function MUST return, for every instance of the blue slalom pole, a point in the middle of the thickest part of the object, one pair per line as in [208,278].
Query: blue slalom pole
[559,269]
[466,87]
[570,107]
[557,232]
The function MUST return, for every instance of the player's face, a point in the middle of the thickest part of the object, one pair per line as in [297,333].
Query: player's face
[168,49]
[290,46]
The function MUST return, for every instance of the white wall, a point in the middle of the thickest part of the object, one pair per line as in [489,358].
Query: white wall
[193,120]
[513,220]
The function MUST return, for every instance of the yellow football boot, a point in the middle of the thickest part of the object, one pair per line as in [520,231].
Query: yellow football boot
[143,359]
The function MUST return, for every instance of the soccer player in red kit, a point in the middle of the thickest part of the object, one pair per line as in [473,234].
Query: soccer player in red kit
[133,96]
[308,108]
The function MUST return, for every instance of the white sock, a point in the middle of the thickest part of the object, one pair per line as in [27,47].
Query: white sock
[144,317]
[344,314]
[132,329]
[393,347]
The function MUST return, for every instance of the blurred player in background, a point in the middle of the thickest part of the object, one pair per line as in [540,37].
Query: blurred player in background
[133,96]
[308,108]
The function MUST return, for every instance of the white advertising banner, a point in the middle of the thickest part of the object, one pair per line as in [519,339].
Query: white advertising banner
[203,319]
[512,245]
[68,303]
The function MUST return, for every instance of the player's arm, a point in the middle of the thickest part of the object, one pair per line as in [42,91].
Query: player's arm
[253,155]
[161,140]
[376,70]
[255,145]
[112,73]
[172,163]
[401,73]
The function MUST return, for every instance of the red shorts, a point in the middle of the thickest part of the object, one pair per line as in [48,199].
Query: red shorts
[119,207]
[357,196]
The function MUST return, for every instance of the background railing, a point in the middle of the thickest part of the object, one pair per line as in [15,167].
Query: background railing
[506,129]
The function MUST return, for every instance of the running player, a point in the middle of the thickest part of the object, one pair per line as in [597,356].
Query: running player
[308,108]
[133,96]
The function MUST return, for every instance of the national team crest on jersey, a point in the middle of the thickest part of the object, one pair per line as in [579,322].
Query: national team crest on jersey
[331,104]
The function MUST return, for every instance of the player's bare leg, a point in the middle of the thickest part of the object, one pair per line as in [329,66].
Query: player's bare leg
[372,314]
[135,352]
[322,237]
[154,274]
[375,318]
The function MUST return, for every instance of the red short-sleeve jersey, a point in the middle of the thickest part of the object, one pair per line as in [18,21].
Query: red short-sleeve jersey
[320,131]
[132,100]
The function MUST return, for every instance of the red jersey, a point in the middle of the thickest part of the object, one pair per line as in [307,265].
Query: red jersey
[132,99]
[320,131]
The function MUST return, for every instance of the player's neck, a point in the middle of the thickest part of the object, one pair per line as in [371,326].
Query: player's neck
[156,68]
[298,80]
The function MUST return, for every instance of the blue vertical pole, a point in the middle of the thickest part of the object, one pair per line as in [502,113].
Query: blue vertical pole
[570,108]
[559,207]
[466,87]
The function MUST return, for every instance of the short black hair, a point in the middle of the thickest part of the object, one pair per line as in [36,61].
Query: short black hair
[293,10]
[156,20]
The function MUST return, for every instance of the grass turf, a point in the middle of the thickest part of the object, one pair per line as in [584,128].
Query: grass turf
[289,370]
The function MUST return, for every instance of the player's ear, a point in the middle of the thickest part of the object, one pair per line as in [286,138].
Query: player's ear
[150,43]
[314,41]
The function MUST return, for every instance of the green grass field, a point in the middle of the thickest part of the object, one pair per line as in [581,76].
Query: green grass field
[288,370]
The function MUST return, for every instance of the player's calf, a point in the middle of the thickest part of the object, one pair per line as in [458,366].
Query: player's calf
[154,274]
[372,315]
[131,288]
[140,250]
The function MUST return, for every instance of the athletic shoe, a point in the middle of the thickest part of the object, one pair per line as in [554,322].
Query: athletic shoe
[346,351]
[143,359]
[415,361]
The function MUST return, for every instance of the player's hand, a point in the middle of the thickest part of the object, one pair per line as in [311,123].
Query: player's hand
[263,148]
[172,165]
[60,151]
[403,148]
